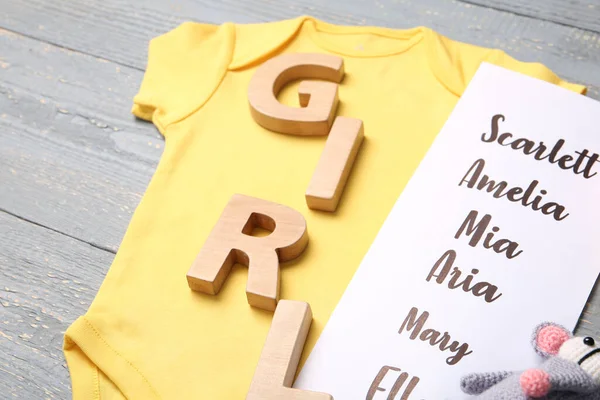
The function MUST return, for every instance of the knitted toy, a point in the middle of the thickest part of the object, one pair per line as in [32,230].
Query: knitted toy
[571,371]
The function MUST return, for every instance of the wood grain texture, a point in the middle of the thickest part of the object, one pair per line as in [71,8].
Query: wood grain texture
[119,30]
[231,241]
[335,164]
[47,280]
[583,14]
[72,157]
[318,100]
[276,368]
[73,160]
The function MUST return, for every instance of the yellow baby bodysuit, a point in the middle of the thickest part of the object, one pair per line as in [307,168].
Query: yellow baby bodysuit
[147,335]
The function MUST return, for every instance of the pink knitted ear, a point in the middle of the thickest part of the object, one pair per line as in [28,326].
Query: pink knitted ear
[549,338]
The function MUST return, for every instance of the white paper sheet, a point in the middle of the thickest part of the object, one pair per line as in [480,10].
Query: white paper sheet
[546,271]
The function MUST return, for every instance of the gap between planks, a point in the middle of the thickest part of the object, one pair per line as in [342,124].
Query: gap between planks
[275,15]
[24,219]
[67,48]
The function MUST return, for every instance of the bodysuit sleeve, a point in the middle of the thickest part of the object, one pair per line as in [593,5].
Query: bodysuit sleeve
[456,63]
[534,69]
[185,67]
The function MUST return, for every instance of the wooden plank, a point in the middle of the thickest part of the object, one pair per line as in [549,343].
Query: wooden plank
[583,14]
[72,157]
[63,164]
[119,30]
[47,280]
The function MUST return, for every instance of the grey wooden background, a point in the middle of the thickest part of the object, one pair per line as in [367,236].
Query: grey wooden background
[74,163]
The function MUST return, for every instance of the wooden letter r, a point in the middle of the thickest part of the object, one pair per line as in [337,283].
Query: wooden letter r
[230,242]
